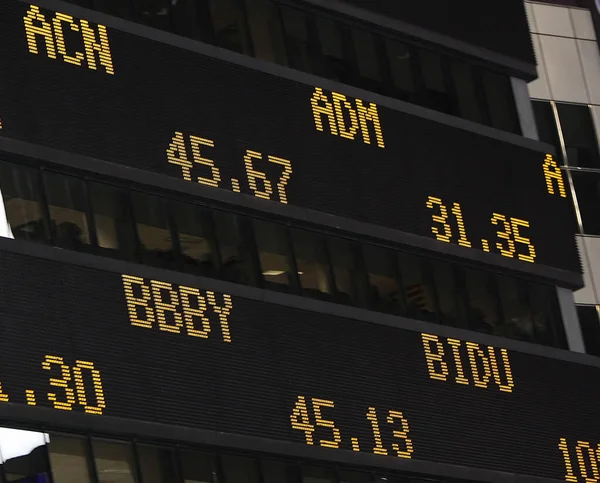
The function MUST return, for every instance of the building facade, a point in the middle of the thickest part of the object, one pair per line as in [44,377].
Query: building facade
[311,241]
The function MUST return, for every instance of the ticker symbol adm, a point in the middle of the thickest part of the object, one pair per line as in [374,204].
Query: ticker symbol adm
[355,446]
[30,397]
[235,185]
[485,245]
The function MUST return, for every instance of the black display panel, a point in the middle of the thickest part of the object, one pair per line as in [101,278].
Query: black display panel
[88,340]
[498,26]
[82,87]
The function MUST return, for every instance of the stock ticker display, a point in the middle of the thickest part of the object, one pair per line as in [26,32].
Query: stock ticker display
[155,350]
[87,88]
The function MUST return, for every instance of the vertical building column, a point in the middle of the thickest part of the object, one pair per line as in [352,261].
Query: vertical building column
[524,108]
[570,320]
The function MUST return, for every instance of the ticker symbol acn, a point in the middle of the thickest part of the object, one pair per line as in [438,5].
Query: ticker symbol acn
[30,395]
[355,446]
[485,245]
[235,185]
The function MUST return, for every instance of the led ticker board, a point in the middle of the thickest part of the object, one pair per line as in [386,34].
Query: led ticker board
[87,88]
[82,339]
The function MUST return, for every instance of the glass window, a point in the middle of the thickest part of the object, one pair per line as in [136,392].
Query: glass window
[446,293]
[155,13]
[336,65]
[590,328]
[196,241]
[482,302]
[25,461]
[112,219]
[514,297]
[547,319]
[466,91]
[385,291]
[191,18]
[114,461]
[500,101]
[118,8]
[300,52]
[311,260]
[234,248]
[197,467]
[239,469]
[154,234]
[580,138]
[21,192]
[369,71]
[587,192]
[69,459]
[265,30]
[434,82]
[418,290]
[346,476]
[157,465]
[229,25]
[278,472]
[546,123]
[67,204]
[401,69]
[273,252]
[349,285]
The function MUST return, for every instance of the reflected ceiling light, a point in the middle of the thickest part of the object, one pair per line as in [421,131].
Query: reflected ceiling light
[273,273]
[16,442]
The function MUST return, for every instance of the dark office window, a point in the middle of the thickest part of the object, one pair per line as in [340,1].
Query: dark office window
[68,206]
[153,231]
[278,472]
[546,123]
[229,25]
[196,240]
[346,476]
[118,8]
[435,90]
[27,467]
[112,220]
[587,191]
[191,18]
[349,284]
[265,30]
[482,311]
[590,328]
[234,248]
[516,310]
[400,58]
[467,95]
[157,465]
[336,63]
[21,191]
[197,467]
[418,288]
[155,13]
[239,469]
[273,248]
[385,289]
[313,266]
[500,101]
[313,474]
[114,461]
[367,57]
[580,138]
[302,52]
[547,321]
[69,459]
[447,295]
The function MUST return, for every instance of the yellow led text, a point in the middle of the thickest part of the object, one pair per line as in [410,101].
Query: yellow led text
[587,456]
[71,385]
[344,118]
[50,33]
[175,308]
[178,153]
[552,175]
[467,363]
[307,416]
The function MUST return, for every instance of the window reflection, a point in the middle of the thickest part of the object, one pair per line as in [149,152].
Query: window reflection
[369,70]
[229,26]
[514,297]
[273,252]
[313,474]
[22,200]
[482,302]
[239,469]
[312,263]
[157,465]
[197,467]
[401,68]
[233,247]
[386,294]
[23,456]
[69,459]
[435,82]
[67,204]
[418,290]
[278,472]
[114,461]
[348,286]
[448,298]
